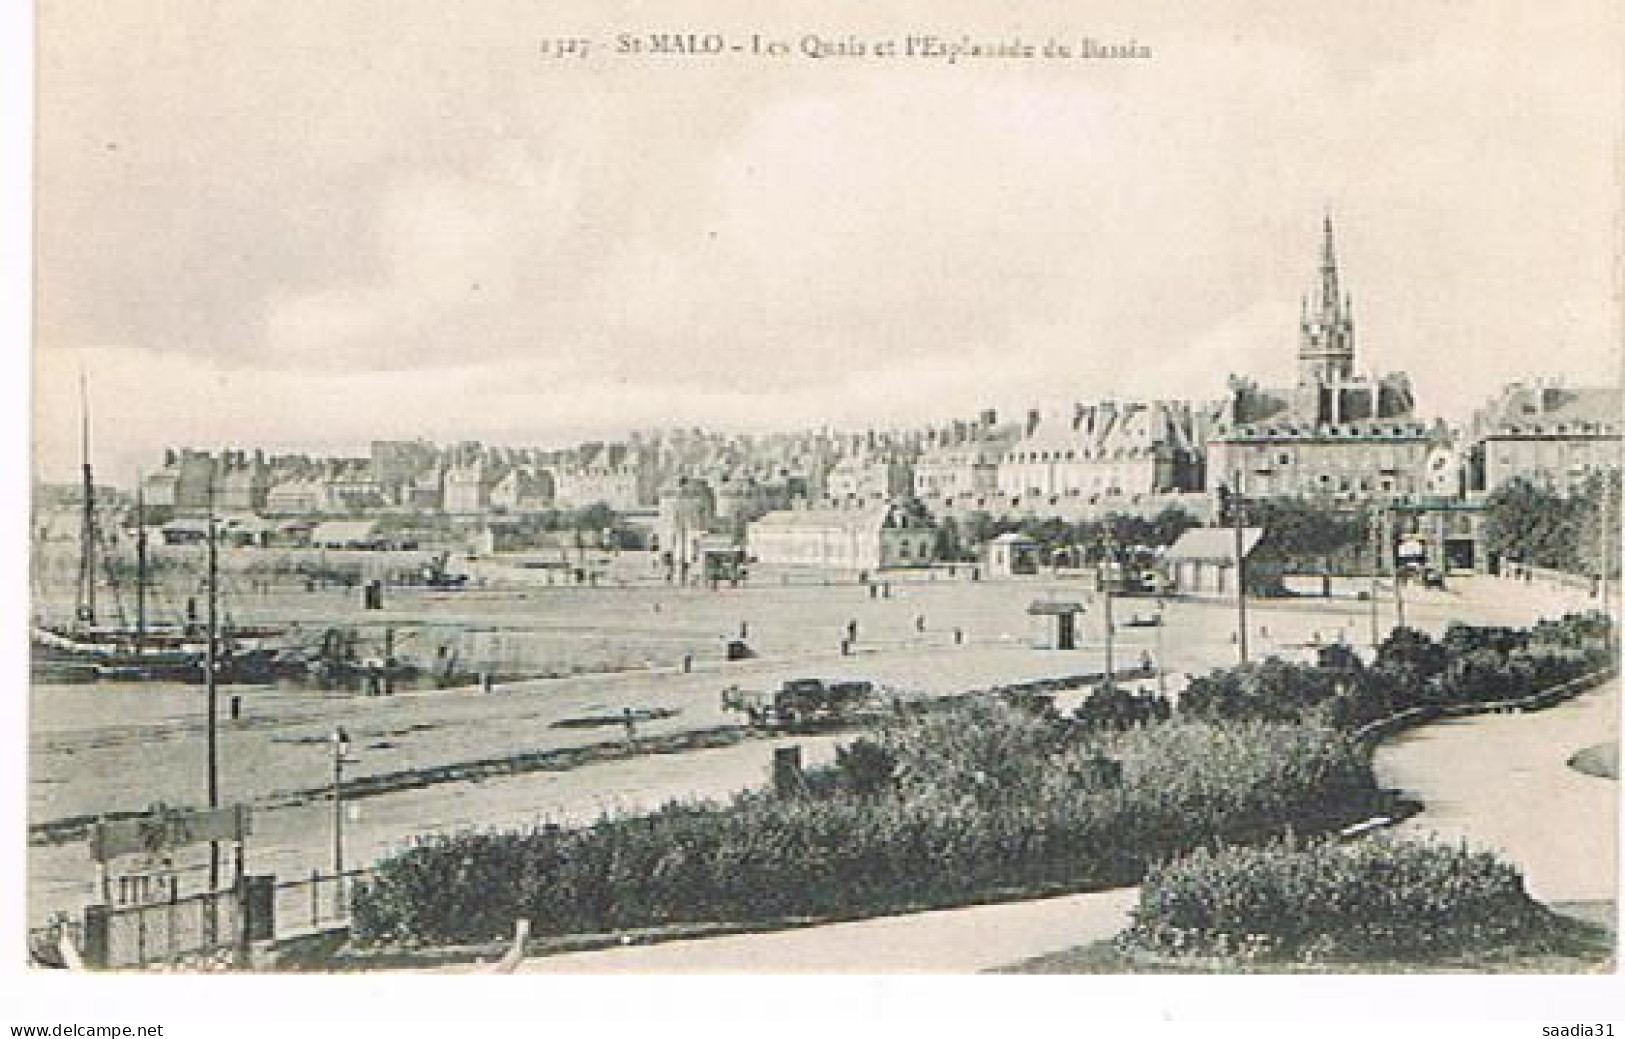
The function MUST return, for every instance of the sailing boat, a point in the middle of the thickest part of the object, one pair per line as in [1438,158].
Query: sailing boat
[87,647]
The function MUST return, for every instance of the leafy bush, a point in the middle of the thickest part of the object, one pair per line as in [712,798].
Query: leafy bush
[1272,689]
[1113,707]
[1377,897]
[865,767]
[1412,654]
[985,798]
[951,805]
[1469,665]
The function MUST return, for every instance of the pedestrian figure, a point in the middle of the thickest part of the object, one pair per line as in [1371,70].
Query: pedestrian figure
[630,720]
[919,622]
[744,630]
[852,631]
[959,636]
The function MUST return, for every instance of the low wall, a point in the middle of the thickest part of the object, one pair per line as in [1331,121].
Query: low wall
[1372,733]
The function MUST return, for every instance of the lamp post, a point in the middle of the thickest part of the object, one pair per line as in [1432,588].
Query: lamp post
[1394,522]
[341,747]
[211,679]
[1162,668]
[1376,568]
[1107,570]
[1237,517]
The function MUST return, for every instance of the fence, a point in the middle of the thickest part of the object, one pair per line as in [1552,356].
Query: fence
[1372,733]
[168,932]
[319,902]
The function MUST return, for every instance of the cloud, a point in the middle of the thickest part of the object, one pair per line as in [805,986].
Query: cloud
[385,216]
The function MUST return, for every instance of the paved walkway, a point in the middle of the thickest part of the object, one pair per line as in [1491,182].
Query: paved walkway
[1502,782]
[951,941]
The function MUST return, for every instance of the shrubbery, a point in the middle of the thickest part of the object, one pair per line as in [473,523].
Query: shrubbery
[943,808]
[955,804]
[1318,899]
[1468,665]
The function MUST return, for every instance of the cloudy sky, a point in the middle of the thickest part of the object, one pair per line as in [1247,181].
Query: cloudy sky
[309,225]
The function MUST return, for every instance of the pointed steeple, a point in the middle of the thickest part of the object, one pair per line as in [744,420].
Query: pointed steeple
[1328,273]
[1326,329]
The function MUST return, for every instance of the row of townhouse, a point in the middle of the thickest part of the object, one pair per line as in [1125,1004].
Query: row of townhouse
[1335,433]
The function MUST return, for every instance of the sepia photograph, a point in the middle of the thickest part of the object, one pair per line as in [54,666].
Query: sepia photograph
[868,489]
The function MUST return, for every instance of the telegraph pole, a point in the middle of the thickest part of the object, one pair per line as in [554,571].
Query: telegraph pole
[140,565]
[1241,574]
[1399,579]
[1376,566]
[1162,667]
[341,746]
[86,612]
[210,665]
[1108,556]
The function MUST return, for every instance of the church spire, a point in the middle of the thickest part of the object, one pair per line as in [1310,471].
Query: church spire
[1329,296]
[1326,329]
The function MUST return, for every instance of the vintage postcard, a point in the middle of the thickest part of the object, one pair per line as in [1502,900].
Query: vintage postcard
[1095,489]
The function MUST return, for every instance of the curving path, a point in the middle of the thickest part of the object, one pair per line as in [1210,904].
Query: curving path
[1502,781]
[949,941]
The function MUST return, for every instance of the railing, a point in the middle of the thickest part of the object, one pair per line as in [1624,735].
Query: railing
[1563,578]
[319,902]
[1372,733]
[45,943]
[172,931]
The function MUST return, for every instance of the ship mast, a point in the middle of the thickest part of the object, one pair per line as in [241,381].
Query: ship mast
[210,666]
[86,607]
[140,566]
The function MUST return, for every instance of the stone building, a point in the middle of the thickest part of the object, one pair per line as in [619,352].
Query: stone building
[468,485]
[867,537]
[300,496]
[870,476]
[622,476]
[242,483]
[1335,434]
[688,513]
[962,463]
[397,464]
[1550,435]
[522,490]
[1104,450]
[183,485]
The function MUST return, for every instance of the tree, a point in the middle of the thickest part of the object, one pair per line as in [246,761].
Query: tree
[1412,655]
[950,548]
[1576,532]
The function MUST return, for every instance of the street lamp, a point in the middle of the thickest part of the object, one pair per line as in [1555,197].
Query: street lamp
[341,747]
[1162,668]
[1233,496]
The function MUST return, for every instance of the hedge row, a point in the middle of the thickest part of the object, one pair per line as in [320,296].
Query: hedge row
[1324,899]
[981,797]
[1468,665]
[967,803]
